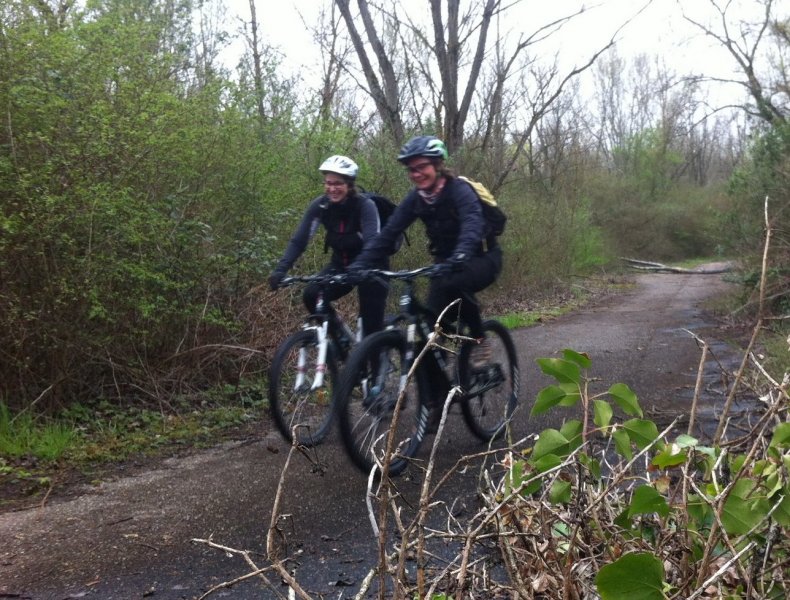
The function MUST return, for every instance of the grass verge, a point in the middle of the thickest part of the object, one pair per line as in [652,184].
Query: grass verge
[84,439]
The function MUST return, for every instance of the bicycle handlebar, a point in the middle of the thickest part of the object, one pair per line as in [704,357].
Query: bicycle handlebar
[319,278]
[404,275]
[345,278]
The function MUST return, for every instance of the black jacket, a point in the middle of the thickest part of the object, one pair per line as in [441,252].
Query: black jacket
[349,223]
[453,223]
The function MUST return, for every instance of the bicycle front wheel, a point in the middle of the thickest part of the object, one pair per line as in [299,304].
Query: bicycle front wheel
[301,390]
[371,382]
[490,391]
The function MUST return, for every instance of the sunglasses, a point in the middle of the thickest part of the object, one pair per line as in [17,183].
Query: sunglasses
[419,168]
[335,184]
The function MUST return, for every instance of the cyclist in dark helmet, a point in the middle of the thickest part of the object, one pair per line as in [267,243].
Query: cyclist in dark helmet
[350,220]
[453,218]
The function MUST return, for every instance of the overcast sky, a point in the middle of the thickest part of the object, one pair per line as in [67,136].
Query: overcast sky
[658,30]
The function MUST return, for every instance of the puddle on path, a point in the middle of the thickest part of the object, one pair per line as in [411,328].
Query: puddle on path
[719,374]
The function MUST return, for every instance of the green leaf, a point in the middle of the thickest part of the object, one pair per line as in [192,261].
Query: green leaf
[740,516]
[671,456]
[514,477]
[579,358]
[547,398]
[592,464]
[562,370]
[698,510]
[647,500]
[560,492]
[623,520]
[772,481]
[626,399]
[736,462]
[743,488]
[638,576]
[547,462]
[622,443]
[602,412]
[550,441]
[782,513]
[541,465]
[572,431]
[572,394]
[531,488]
[686,441]
[781,437]
[711,453]
[641,432]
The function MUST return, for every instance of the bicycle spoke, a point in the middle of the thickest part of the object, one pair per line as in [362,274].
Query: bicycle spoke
[300,389]
[491,392]
[366,418]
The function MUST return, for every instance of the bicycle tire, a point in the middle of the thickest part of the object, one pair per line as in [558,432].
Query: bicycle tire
[365,418]
[307,411]
[490,394]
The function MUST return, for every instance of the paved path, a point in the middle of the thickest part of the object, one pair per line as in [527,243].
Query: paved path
[130,538]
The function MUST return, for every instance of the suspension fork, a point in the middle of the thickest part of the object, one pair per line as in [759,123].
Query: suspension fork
[322,334]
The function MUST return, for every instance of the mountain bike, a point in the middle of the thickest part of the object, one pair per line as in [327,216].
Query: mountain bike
[304,369]
[376,372]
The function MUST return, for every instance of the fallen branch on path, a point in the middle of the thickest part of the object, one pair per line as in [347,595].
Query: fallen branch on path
[656,267]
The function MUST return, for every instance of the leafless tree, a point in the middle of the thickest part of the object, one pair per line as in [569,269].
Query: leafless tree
[384,91]
[453,69]
[334,55]
[257,72]
[765,71]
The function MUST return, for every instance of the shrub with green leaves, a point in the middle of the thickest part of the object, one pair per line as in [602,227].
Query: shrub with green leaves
[609,504]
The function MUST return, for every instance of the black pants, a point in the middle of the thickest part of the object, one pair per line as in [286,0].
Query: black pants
[477,274]
[372,299]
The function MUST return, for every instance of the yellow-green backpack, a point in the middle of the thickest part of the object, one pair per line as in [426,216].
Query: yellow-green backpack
[495,218]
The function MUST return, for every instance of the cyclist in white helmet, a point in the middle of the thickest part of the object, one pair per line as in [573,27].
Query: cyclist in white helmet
[349,219]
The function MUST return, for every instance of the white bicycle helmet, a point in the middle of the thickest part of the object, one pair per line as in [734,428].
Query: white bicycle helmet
[342,165]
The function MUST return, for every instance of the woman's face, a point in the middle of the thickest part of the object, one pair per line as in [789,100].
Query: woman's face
[335,187]
[422,172]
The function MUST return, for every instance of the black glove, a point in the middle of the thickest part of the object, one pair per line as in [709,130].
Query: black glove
[355,274]
[457,261]
[275,279]
[442,270]
[452,265]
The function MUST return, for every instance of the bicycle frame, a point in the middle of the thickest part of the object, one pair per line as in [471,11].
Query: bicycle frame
[319,322]
[417,317]
[374,386]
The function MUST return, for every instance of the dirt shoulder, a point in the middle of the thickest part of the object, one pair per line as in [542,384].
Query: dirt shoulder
[64,480]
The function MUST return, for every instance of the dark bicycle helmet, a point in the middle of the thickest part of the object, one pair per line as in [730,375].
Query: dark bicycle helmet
[423,145]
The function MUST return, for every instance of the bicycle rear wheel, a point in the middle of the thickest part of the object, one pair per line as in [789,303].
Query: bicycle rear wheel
[297,404]
[490,393]
[367,393]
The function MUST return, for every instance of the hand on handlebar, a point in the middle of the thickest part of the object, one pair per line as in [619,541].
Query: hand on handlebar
[454,264]
[458,260]
[275,279]
[355,275]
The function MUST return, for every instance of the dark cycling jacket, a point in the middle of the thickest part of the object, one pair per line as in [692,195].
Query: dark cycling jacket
[453,223]
[349,224]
